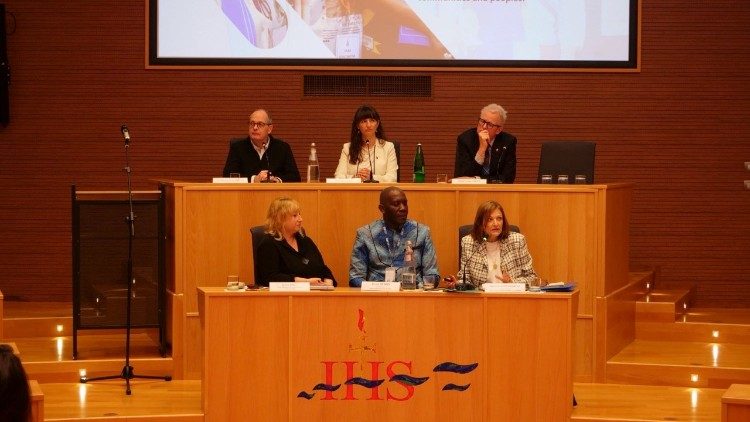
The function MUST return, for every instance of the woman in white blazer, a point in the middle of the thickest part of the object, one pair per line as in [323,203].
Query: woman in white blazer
[367,149]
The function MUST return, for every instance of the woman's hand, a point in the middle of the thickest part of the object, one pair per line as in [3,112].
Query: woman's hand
[364,174]
[449,282]
[504,278]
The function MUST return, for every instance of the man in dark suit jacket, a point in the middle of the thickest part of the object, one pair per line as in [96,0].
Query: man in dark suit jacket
[260,157]
[486,151]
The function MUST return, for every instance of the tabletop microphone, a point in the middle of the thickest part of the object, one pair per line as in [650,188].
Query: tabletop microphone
[125,134]
[464,286]
[371,162]
[499,178]
[267,154]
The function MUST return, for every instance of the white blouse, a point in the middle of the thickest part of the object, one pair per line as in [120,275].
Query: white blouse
[382,153]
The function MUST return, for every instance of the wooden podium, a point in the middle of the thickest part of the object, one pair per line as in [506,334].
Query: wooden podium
[575,233]
[351,355]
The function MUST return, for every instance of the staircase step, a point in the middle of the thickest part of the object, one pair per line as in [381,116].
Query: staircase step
[662,305]
[711,325]
[37,319]
[49,359]
[689,364]
[645,403]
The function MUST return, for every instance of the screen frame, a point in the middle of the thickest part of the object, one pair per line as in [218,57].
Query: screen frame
[631,65]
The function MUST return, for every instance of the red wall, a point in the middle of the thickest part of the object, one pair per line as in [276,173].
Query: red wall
[678,129]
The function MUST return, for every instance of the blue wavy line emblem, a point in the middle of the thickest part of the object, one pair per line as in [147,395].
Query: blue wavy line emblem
[454,367]
[455,387]
[408,379]
[326,387]
[364,382]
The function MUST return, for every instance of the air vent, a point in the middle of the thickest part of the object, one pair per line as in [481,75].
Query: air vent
[376,86]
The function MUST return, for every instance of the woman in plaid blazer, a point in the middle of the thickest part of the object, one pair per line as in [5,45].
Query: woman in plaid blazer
[491,253]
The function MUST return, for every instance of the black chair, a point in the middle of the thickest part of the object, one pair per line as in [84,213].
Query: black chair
[256,234]
[397,148]
[567,157]
[466,229]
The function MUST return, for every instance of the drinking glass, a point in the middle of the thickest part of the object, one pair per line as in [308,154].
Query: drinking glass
[562,179]
[233,282]
[442,178]
[535,284]
[580,179]
[546,178]
[429,281]
[390,274]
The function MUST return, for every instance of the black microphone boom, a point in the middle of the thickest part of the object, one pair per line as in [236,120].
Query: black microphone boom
[125,134]
[371,162]
[267,154]
[499,178]
[463,286]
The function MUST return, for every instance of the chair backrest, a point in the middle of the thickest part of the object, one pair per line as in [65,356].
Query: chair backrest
[567,157]
[397,148]
[256,234]
[466,229]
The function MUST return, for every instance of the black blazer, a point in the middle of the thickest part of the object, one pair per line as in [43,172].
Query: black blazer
[243,159]
[280,262]
[467,145]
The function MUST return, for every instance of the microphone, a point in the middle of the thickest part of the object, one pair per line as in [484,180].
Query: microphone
[463,286]
[372,163]
[267,154]
[498,178]
[125,134]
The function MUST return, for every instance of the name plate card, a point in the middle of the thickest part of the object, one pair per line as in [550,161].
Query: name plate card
[468,181]
[380,286]
[289,286]
[503,287]
[230,179]
[349,180]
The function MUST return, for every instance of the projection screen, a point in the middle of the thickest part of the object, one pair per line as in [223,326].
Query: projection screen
[437,34]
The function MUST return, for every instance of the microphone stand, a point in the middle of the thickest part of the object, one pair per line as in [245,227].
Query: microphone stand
[269,176]
[499,179]
[372,164]
[127,370]
[464,286]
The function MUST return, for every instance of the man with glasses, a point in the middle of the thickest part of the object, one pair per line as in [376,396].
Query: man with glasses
[486,151]
[261,157]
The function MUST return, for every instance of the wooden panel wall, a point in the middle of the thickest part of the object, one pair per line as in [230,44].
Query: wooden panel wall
[678,129]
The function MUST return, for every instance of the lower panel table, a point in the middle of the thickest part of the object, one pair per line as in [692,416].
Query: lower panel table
[352,355]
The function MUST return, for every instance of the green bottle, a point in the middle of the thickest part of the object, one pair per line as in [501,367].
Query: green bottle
[419,165]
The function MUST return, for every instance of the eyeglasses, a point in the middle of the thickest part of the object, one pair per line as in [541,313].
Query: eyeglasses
[483,122]
[259,125]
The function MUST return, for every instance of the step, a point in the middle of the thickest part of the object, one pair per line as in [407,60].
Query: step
[662,305]
[688,364]
[735,404]
[173,401]
[645,403]
[709,325]
[693,331]
[37,319]
[49,359]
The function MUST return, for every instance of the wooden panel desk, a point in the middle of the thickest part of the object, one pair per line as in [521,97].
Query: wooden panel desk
[574,232]
[264,354]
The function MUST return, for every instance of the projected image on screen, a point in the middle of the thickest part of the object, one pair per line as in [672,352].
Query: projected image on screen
[394,32]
